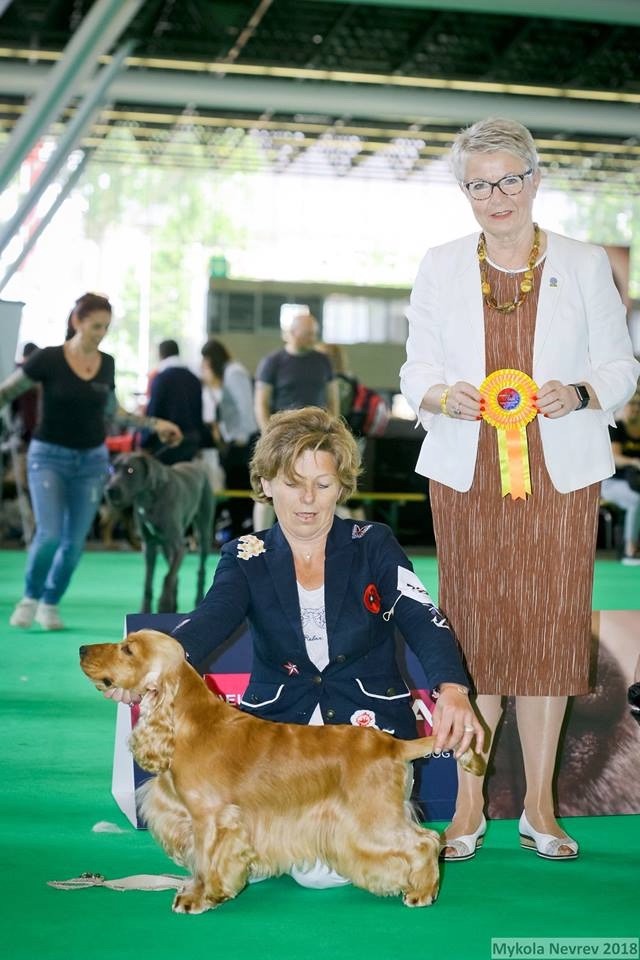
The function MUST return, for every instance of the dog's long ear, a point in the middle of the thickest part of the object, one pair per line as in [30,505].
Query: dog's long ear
[152,472]
[153,737]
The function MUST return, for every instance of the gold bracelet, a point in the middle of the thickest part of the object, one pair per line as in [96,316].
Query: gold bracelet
[456,686]
[443,401]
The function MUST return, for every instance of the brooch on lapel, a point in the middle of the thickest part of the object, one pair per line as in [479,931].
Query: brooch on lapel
[291,669]
[250,546]
[371,598]
[358,532]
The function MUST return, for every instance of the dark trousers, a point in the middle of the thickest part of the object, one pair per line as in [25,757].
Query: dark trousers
[235,462]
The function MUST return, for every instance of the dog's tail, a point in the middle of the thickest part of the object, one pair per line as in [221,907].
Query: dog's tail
[470,761]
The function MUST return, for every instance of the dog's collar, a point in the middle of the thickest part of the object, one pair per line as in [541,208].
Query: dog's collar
[152,528]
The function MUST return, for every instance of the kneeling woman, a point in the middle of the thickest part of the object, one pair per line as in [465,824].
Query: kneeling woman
[323,597]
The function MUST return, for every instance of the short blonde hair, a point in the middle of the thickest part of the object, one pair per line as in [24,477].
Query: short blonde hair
[289,434]
[337,355]
[495,135]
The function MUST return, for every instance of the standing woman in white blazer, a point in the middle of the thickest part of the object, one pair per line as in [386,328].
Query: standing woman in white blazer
[516,573]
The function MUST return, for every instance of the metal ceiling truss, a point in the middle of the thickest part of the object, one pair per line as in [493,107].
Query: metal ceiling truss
[373,89]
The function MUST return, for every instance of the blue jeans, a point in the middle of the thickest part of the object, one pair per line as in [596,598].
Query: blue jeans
[66,488]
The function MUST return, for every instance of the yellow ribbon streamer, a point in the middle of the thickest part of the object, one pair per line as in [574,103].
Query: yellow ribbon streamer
[509,407]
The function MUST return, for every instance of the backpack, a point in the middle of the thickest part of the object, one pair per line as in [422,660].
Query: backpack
[369,413]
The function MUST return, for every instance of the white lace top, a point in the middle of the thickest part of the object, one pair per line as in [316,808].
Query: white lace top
[314,629]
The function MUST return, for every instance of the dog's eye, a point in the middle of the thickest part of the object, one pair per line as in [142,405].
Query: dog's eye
[127,649]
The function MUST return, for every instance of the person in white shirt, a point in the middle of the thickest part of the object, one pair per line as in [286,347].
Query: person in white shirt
[235,429]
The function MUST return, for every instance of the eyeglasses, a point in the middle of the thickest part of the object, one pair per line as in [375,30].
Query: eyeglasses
[509,185]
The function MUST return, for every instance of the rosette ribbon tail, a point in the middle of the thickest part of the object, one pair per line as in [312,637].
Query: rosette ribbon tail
[514,462]
[509,407]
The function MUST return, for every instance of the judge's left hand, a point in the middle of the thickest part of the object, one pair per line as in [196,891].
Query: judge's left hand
[555,399]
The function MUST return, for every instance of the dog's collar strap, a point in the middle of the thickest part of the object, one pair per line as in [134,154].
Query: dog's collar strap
[151,527]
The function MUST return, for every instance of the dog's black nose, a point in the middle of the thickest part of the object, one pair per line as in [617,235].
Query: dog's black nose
[82,651]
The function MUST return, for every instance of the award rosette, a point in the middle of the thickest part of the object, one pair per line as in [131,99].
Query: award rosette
[509,407]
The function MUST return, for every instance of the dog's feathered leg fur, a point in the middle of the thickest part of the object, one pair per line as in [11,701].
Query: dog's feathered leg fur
[223,855]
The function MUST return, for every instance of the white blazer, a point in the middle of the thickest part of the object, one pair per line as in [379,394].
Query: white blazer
[581,335]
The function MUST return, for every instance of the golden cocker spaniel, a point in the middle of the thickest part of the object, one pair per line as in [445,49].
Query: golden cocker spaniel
[239,798]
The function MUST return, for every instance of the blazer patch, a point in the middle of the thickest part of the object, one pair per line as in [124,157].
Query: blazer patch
[410,586]
[364,718]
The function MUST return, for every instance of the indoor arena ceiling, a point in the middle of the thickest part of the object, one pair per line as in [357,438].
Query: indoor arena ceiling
[354,88]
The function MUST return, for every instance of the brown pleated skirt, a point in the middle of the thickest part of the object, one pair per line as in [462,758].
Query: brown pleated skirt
[516,577]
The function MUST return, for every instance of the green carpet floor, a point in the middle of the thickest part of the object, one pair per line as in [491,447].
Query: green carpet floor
[57,736]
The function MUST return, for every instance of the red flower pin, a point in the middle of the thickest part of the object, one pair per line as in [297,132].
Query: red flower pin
[372,599]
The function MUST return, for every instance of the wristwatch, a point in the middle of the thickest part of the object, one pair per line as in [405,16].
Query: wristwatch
[583,395]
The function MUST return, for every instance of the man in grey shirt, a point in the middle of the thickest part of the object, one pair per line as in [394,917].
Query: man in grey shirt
[295,376]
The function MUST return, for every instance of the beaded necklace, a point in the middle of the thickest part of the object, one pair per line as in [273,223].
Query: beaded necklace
[526,284]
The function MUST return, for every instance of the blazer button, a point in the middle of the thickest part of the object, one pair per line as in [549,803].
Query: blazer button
[330,714]
[340,658]
[391,692]
[317,679]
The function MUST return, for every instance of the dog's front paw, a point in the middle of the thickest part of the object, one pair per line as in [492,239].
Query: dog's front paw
[415,898]
[192,900]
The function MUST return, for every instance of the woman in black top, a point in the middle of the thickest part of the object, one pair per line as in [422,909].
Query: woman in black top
[67,460]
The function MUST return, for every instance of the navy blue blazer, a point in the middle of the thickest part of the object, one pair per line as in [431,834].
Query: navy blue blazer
[363,606]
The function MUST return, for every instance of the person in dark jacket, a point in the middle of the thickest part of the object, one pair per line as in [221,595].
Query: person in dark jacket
[175,394]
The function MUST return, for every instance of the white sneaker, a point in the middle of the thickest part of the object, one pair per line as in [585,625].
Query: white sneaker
[631,561]
[24,612]
[48,617]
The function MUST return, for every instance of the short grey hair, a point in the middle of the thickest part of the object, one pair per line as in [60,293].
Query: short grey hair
[494,135]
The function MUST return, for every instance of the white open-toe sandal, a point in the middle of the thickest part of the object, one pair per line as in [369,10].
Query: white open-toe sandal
[545,845]
[464,846]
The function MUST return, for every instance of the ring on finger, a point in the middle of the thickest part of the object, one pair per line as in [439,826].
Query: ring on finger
[468,729]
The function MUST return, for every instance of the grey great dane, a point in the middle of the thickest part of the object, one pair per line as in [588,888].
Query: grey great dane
[167,500]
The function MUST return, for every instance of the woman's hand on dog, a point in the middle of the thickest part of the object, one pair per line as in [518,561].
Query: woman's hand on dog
[118,695]
[168,432]
[455,725]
